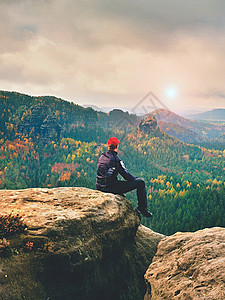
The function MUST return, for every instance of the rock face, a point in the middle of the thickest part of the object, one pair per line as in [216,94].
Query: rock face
[80,244]
[34,119]
[50,129]
[189,266]
[38,122]
[148,125]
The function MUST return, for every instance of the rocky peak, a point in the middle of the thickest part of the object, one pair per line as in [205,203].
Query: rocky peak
[148,125]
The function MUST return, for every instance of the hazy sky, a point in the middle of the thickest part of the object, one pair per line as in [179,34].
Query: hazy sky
[113,52]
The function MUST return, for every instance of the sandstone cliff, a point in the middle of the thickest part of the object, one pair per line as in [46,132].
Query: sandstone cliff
[148,125]
[84,244]
[189,266]
[80,244]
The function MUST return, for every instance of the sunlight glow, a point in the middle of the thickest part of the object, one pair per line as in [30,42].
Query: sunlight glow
[171,93]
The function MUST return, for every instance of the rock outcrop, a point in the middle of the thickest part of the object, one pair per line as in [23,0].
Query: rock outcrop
[80,244]
[148,125]
[50,129]
[189,266]
[33,119]
[38,122]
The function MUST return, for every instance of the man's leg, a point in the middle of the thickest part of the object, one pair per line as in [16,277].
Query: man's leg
[126,186]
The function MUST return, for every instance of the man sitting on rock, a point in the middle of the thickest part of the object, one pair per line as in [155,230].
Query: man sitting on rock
[109,165]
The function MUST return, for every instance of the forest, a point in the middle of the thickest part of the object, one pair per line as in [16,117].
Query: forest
[49,142]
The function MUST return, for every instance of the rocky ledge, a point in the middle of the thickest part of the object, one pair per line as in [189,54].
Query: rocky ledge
[189,266]
[79,244]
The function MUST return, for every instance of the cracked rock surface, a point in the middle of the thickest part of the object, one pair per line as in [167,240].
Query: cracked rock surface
[189,266]
[80,244]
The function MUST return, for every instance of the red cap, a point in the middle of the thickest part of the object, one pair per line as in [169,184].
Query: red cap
[113,141]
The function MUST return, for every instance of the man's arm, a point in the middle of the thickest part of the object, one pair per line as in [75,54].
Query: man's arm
[124,172]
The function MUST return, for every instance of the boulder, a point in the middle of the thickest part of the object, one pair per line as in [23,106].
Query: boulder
[188,266]
[79,244]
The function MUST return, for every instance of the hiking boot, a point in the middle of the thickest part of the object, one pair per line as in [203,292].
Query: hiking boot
[144,212]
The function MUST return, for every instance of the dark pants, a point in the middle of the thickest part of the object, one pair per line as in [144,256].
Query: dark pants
[121,187]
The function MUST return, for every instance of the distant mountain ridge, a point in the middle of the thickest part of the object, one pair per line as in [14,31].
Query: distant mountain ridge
[50,142]
[17,115]
[171,117]
[95,107]
[185,129]
[217,114]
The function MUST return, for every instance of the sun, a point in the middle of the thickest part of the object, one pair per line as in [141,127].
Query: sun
[171,92]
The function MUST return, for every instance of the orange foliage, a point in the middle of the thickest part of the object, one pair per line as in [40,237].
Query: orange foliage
[17,147]
[58,167]
[65,176]
[11,147]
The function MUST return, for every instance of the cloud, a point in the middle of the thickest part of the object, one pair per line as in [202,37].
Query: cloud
[96,23]
[170,15]
[113,51]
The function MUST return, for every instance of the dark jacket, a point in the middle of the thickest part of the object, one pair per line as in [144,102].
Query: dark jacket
[109,165]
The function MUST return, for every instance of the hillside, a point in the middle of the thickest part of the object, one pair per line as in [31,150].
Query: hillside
[42,117]
[187,130]
[180,132]
[60,147]
[217,114]
[171,117]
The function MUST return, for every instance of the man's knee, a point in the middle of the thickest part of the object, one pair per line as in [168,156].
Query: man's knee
[140,182]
